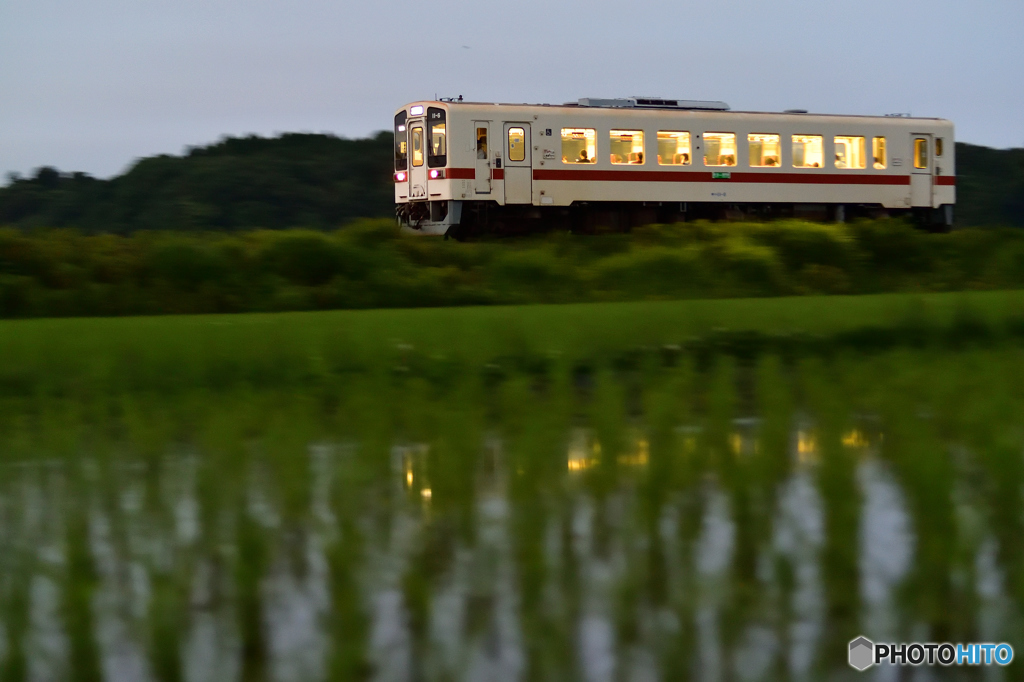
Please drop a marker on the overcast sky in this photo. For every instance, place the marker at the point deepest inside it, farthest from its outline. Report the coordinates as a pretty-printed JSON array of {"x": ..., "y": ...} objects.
[{"x": 92, "y": 85}]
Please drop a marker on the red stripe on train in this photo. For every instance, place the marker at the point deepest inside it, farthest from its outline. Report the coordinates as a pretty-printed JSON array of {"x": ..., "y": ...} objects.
[{"x": 705, "y": 176}]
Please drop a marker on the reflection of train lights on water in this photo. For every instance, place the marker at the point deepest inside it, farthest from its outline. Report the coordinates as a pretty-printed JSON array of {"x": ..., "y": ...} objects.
[
  {"x": 638, "y": 455},
  {"x": 688, "y": 436},
  {"x": 743, "y": 440},
  {"x": 806, "y": 446},
  {"x": 584, "y": 450},
  {"x": 854, "y": 438},
  {"x": 410, "y": 463}
]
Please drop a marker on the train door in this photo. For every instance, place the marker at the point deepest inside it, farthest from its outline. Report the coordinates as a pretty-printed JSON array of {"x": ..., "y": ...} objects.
[
  {"x": 483, "y": 157},
  {"x": 417, "y": 160},
  {"x": 921, "y": 165},
  {"x": 518, "y": 164}
]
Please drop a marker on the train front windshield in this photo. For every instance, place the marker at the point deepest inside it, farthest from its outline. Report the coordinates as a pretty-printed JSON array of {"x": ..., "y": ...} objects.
[{"x": 401, "y": 143}]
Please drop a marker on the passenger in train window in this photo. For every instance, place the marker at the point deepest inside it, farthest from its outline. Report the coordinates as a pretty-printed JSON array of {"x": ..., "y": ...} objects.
[
  {"x": 764, "y": 149},
  {"x": 626, "y": 147},
  {"x": 878, "y": 152},
  {"x": 481, "y": 143},
  {"x": 579, "y": 145},
  {"x": 719, "y": 149},
  {"x": 673, "y": 148},
  {"x": 849, "y": 151}
]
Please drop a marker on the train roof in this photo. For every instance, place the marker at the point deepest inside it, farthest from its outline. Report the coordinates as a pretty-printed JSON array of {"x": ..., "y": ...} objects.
[{"x": 618, "y": 105}]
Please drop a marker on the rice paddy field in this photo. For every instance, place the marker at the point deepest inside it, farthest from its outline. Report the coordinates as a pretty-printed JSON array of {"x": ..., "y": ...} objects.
[{"x": 712, "y": 490}]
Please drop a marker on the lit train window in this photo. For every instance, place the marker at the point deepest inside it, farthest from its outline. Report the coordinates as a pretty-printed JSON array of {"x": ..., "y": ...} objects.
[
  {"x": 401, "y": 142},
  {"x": 417, "y": 146},
  {"x": 719, "y": 149},
  {"x": 516, "y": 144},
  {"x": 481, "y": 143},
  {"x": 437, "y": 142},
  {"x": 437, "y": 149},
  {"x": 765, "y": 149},
  {"x": 627, "y": 147},
  {"x": 878, "y": 152},
  {"x": 938, "y": 146},
  {"x": 808, "y": 151},
  {"x": 673, "y": 148},
  {"x": 920, "y": 152},
  {"x": 579, "y": 145},
  {"x": 849, "y": 152}
]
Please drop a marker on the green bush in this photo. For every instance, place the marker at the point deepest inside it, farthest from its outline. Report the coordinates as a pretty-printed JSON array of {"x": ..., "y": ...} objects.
[
  {"x": 651, "y": 272},
  {"x": 369, "y": 264}
]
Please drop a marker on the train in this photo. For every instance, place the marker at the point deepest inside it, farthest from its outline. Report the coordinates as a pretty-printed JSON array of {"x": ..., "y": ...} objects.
[{"x": 469, "y": 168}]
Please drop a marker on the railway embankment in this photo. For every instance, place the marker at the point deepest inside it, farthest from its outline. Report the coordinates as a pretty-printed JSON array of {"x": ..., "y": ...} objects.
[{"x": 54, "y": 273}]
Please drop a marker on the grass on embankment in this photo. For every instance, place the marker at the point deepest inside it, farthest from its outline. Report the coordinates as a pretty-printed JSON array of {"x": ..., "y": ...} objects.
[
  {"x": 368, "y": 264},
  {"x": 62, "y": 356}
]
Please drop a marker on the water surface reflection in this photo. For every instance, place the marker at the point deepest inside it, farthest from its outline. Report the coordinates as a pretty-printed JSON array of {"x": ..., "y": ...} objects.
[{"x": 687, "y": 567}]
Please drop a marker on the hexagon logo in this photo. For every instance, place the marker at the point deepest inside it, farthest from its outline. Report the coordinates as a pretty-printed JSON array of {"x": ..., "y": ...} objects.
[{"x": 862, "y": 653}]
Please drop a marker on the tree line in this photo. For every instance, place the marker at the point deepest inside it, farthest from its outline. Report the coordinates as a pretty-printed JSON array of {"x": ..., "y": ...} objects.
[
  {"x": 294, "y": 180},
  {"x": 322, "y": 182}
]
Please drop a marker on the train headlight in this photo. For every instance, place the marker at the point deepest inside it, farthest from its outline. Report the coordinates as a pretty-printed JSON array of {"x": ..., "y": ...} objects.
[
  {"x": 437, "y": 174},
  {"x": 400, "y": 177}
]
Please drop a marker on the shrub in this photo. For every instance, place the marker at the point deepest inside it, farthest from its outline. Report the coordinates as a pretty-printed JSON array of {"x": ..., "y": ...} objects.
[
  {"x": 305, "y": 258},
  {"x": 656, "y": 271},
  {"x": 369, "y": 264}
]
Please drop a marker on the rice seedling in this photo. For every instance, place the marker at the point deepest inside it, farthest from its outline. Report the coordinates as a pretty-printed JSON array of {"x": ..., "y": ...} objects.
[{"x": 421, "y": 496}]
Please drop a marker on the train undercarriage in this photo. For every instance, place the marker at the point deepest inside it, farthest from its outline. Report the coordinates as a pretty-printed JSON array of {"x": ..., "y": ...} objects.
[{"x": 472, "y": 219}]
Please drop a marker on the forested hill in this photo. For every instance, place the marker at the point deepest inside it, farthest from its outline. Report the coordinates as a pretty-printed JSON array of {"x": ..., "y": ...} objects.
[
  {"x": 322, "y": 181},
  {"x": 989, "y": 185},
  {"x": 295, "y": 180}
]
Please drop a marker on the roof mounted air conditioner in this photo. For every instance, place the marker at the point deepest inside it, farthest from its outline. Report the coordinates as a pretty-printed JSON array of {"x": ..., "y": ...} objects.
[{"x": 651, "y": 103}]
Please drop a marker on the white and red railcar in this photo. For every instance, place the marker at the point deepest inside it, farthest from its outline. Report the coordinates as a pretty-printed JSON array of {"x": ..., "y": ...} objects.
[{"x": 463, "y": 167}]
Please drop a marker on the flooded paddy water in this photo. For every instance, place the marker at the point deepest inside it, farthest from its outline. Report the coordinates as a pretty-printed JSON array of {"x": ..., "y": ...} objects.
[{"x": 657, "y": 515}]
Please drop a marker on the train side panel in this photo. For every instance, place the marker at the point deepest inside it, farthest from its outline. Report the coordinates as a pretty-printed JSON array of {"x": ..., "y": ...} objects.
[{"x": 537, "y": 156}]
